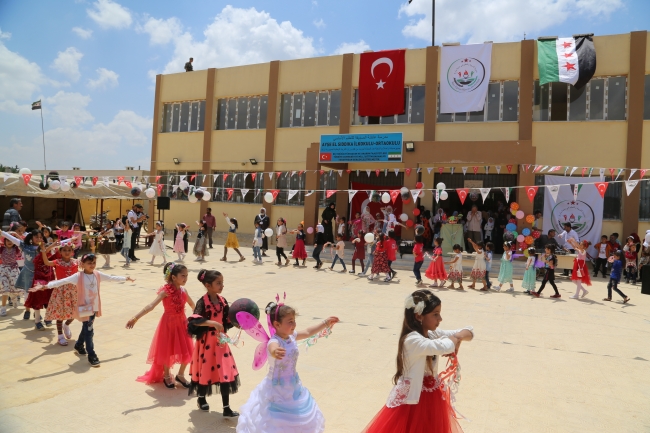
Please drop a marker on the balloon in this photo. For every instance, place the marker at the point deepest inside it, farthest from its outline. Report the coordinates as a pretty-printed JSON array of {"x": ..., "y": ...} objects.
[
  {"x": 514, "y": 233},
  {"x": 404, "y": 190},
  {"x": 192, "y": 198},
  {"x": 403, "y": 217},
  {"x": 441, "y": 186},
  {"x": 520, "y": 238},
  {"x": 530, "y": 219},
  {"x": 53, "y": 175},
  {"x": 526, "y": 253},
  {"x": 536, "y": 234},
  {"x": 405, "y": 196},
  {"x": 525, "y": 232},
  {"x": 268, "y": 232},
  {"x": 44, "y": 185},
  {"x": 65, "y": 186},
  {"x": 409, "y": 223},
  {"x": 419, "y": 185},
  {"x": 243, "y": 304},
  {"x": 385, "y": 198},
  {"x": 419, "y": 230},
  {"x": 519, "y": 214},
  {"x": 444, "y": 195},
  {"x": 198, "y": 194},
  {"x": 512, "y": 221},
  {"x": 310, "y": 230},
  {"x": 511, "y": 227},
  {"x": 513, "y": 211},
  {"x": 508, "y": 236},
  {"x": 135, "y": 192},
  {"x": 406, "y": 201},
  {"x": 523, "y": 246},
  {"x": 24, "y": 171},
  {"x": 369, "y": 237},
  {"x": 150, "y": 192},
  {"x": 183, "y": 184},
  {"x": 268, "y": 197},
  {"x": 529, "y": 240},
  {"x": 514, "y": 205},
  {"x": 421, "y": 194},
  {"x": 206, "y": 195},
  {"x": 646, "y": 241},
  {"x": 416, "y": 211},
  {"x": 55, "y": 185},
  {"x": 73, "y": 184}
]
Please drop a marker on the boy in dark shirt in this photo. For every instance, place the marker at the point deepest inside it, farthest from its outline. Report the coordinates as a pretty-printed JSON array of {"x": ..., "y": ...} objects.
[{"x": 615, "y": 278}]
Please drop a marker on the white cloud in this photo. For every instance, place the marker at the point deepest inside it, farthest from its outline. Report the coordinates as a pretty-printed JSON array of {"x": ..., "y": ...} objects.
[
  {"x": 352, "y": 47},
  {"x": 161, "y": 31},
  {"x": 82, "y": 33},
  {"x": 108, "y": 14},
  {"x": 240, "y": 37},
  {"x": 69, "y": 109},
  {"x": 20, "y": 79},
  {"x": 320, "y": 24},
  {"x": 67, "y": 63},
  {"x": 5, "y": 35},
  {"x": 473, "y": 21},
  {"x": 105, "y": 79}
]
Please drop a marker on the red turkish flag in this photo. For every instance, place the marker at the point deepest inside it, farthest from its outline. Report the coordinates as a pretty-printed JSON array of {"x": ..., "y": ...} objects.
[
  {"x": 278, "y": 173},
  {"x": 509, "y": 167},
  {"x": 78, "y": 180},
  {"x": 642, "y": 173},
  {"x": 583, "y": 171},
  {"x": 253, "y": 175},
  {"x": 611, "y": 172},
  {"x": 301, "y": 172},
  {"x": 408, "y": 171},
  {"x": 394, "y": 194},
  {"x": 275, "y": 193},
  {"x": 27, "y": 178},
  {"x": 381, "y": 83},
  {"x": 462, "y": 194},
  {"x": 120, "y": 179},
  {"x": 475, "y": 169},
  {"x": 377, "y": 172},
  {"x": 192, "y": 177},
  {"x": 601, "y": 187},
  {"x": 531, "y": 191},
  {"x": 326, "y": 156},
  {"x": 322, "y": 172},
  {"x": 95, "y": 179},
  {"x": 127, "y": 183},
  {"x": 159, "y": 188},
  {"x": 330, "y": 192},
  {"x": 225, "y": 176},
  {"x": 158, "y": 178},
  {"x": 441, "y": 169},
  {"x": 230, "y": 191},
  {"x": 348, "y": 171}
]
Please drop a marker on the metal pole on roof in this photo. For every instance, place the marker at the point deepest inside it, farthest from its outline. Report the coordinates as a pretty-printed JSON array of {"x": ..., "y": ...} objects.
[{"x": 433, "y": 21}]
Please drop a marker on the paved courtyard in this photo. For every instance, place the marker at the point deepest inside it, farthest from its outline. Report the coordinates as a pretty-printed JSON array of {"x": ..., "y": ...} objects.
[{"x": 536, "y": 365}]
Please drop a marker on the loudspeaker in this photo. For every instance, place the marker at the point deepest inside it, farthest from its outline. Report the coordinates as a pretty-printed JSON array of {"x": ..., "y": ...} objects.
[
  {"x": 163, "y": 203},
  {"x": 645, "y": 280}
]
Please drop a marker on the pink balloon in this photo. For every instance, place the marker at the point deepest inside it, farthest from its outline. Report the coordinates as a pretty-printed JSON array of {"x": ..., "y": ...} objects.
[
  {"x": 521, "y": 238},
  {"x": 519, "y": 214},
  {"x": 310, "y": 230}
]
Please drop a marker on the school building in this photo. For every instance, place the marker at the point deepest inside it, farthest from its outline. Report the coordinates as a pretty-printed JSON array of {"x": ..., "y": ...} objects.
[{"x": 268, "y": 118}]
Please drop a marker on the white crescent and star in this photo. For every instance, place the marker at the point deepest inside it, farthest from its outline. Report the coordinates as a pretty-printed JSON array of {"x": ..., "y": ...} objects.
[{"x": 381, "y": 60}]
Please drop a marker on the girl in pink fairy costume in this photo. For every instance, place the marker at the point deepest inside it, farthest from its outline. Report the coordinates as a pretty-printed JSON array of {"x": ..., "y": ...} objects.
[
  {"x": 171, "y": 344},
  {"x": 9, "y": 271},
  {"x": 281, "y": 404}
]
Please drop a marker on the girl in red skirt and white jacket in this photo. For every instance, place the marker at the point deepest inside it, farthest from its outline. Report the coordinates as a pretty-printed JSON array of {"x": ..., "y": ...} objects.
[{"x": 420, "y": 401}]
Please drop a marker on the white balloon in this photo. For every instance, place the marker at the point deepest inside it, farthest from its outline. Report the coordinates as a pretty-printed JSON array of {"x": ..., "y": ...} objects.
[
  {"x": 183, "y": 184},
  {"x": 444, "y": 195},
  {"x": 192, "y": 198},
  {"x": 268, "y": 232},
  {"x": 150, "y": 192},
  {"x": 55, "y": 185},
  {"x": 404, "y": 190},
  {"x": 385, "y": 197},
  {"x": 65, "y": 186},
  {"x": 268, "y": 197},
  {"x": 24, "y": 171},
  {"x": 441, "y": 186},
  {"x": 404, "y": 217},
  {"x": 421, "y": 194},
  {"x": 369, "y": 237},
  {"x": 206, "y": 196}
]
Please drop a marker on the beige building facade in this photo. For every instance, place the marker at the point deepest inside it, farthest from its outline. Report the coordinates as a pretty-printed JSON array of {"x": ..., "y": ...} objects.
[{"x": 268, "y": 118}]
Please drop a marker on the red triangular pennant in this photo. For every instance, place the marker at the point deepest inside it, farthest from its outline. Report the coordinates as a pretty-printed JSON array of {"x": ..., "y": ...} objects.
[
  {"x": 192, "y": 178},
  {"x": 509, "y": 167},
  {"x": 158, "y": 178},
  {"x": 275, "y": 193},
  {"x": 27, "y": 178},
  {"x": 78, "y": 180},
  {"x": 322, "y": 172},
  {"x": 462, "y": 194},
  {"x": 330, "y": 192},
  {"x": 642, "y": 173},
  {"x": 225, "y": 176},
  {"x": 95, "y": 179},
  {"x": 120, "y": 179},
  {"x": 253, "y": 176},
  {"x": 394, "y": 194},
  {"x": 348, "y": 171},
  {"x": 583, "y": 171},
  {"x": 159, "y": 188},
  {"x": 475, "y": 169},
  {"x": 601, "y": 187},
  {"x": 278, "y": 174},
  {"x": 611, "y": 172},
  {"x": 408, "y": 171},
  {"x": 128, "y": 184},
  {"x": 301, "y": 172},
  {"x": 230, "y": 191},
  {"x": 441, "y": 169},
  {"x": 531, "y": 191}
]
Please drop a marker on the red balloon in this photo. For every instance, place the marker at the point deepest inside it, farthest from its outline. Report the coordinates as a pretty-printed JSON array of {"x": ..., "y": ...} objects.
[
  {"x": 416, "y": 211},
  {"x": 409, "y": 223},
  {"x": 407, "y": 201},
  {"x": 419, "y": 185},
  {"x": 512, "y": 220}
]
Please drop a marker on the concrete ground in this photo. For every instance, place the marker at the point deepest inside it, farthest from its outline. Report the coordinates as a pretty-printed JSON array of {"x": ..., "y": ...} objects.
[{"x": 536, "y": 365}]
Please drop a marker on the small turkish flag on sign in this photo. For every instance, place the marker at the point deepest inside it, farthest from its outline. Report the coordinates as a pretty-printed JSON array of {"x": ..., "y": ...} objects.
[
  {"x": 127, "y": 183},
  {"x": 326, "y": 156},
  {"x": 27, "y": 178},
  {"x": 408, "y": 171},
  {"x": 462, "y": 194},
  {"x": 159, "y": 188},
  {"x": 601, "y": 187},
  {"x": 394, "y": 194},
  {"x": 230, "y": 191},
  {"x": 509, "y": 167},
  {"x": 275, "y": 193},
  {"x": 531, "y": 191},
  {"x": 475, "y": 169},
  {"x": 78, "y": 180},
  {"x": 381, "y": 83},
  {"x": 95, "y": 179}
]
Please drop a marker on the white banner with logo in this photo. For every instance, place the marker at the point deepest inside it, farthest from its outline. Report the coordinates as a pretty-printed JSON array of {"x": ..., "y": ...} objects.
[
  {"x": 585, "y": 214},
  {"x": 464, "y": 77}
]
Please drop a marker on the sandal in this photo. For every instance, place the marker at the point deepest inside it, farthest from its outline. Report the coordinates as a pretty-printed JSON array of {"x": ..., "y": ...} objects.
[
  {"x": 607, "y": 299},
  {"x": 626, "y": 300}
]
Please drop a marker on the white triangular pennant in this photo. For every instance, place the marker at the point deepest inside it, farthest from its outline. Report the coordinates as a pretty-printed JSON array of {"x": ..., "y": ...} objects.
[
  {"x": 257, "y": 192},
  {"x": 620, "y": 170},
  {"x": 146, "y": 179},
  {"x": 340, "y": 173},
  {"x": 429, "y": 169},
  {"x": 6, "y": 176},
  {"x": 270, "y": 175},
  {"x": 545, "y": 167},
  {"x": 437, "y": 196},
  {"x": 183, "y": 177},
  {"x": 292, "y": 192},
  {"x": 565, "y": 170},
  {"x": 63, "y": 178},
  {"x": 602, "y": 174},
  {"x": 351, "y": 193},
  {"x": 506, "y": 192},
  {"x": 632, "y": 171},
  {"x": 487, "y": 169},
  {"x": 418, "y": 170},
  {"x": 451, "y": 170},
  {"x": 484, "y": 193},
  {"x": 244, "y": 192},
  {"x": 368, "y": 172},
  {"x": 498, "y": 168},
  {"x": 310, "y": 192},
  {"x": 245, "y": 176},
  {"x": 553, "y": 190},
  {"x": 293, "y": 172},
  {"x": 174, "y": 188},
  {"x": 415, "y": 193},
  {"x": 464, "y": 170},
  {"x": 630, "y": 185},
  {"x": 396, "y": 171},
  {"x": 572, "y": 170}
]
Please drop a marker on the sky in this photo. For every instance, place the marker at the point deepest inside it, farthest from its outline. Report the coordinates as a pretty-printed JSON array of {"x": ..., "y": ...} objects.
[{"x": 93, "y": 63}]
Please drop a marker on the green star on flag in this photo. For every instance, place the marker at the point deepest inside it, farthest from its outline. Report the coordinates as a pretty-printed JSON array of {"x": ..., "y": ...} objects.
[{"x": 36, "y": 105}]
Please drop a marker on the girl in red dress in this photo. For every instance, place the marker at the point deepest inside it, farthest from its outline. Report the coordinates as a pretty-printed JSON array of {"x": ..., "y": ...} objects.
[
  {"x": 299, "y": 251},
  {"x": 380, "y": 262},
  {"x": 63, "y": 301},
  {"x": 212, "y": 362},
  {"x": 171, "y": 344},
  {"x": 436, "y": 270},
  {"x": 43, "y": 274},
  {"x": 580, "y": 273},
  {"x": 420, "y": 401}
]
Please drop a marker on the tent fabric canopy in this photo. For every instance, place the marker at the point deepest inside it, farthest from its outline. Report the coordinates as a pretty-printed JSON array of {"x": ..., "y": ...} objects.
[{"x": 15, "y": 186}]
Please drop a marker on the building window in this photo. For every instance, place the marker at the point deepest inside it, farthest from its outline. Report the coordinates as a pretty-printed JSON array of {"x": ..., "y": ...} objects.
[
  {"x": 600, "y": 99},
  {"x": 646, "y": 98},
  {"x": 288, "y": 181},
  {"x": 644, "y": 204},
  {"x": 183, "y": 116},
  {"x": 501, "y": 105},
  {"x": 328, "y": 180},
  {"x": 413, "y": 109},
  {"x": 310, "y": 109},
  {"x": 247, "y": 112},
  {"x": 237, "y": 180},
  {"x": 172, "y": 178}
]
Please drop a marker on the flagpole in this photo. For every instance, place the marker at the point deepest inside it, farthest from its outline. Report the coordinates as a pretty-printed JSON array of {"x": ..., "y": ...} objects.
[
  {"x": 433, "y": 23},
  {"x": 43, "y": 131}
]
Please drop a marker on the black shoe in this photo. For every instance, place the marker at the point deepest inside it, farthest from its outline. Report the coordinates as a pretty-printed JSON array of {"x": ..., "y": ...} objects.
[
  {"x": 26, "y": 315},
  {"x": 229, "y": 412},
  {"x": 48, "y": 323},
  {"x": 183, "y": 384},
  {"x": 169, "y": 385},
  {"x": 393, "y": 275},
  {"x": 264, "y": 255},
  {"x": 202, "y": 404},
  {"x": 94, "y": 361},
  {"x": 80, "y": 350}
]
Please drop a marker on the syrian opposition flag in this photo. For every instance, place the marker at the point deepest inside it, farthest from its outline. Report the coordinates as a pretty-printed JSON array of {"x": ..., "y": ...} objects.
[
  {"x": 36, "y": 105},
  {"x": 566, "y": 60},
  {"x": 381, "y": 83}
]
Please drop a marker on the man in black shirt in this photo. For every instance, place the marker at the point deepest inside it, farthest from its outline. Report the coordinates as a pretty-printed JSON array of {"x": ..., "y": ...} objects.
[{"x": 188, "y": 65}]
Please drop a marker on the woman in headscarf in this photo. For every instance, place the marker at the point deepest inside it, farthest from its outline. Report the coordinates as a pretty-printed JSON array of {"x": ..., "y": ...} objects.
[
  {"x": 318, "y": 245},
  {"x": 263, "y": 220},
  {"x": 328, "y": 215},
  {"x": 367, "y": 220}
]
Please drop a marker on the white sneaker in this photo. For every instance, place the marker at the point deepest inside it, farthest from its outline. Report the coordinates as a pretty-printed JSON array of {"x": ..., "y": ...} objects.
[
  {"x": 66, "y": 331},
  {"x": 3, "y": 311},
  {"x": 62, "y": 340},
  {"x": 573, "y": 297},
  {"x": 586, "y": 292},
  {"x": 511, "y": 289},
  {"x": 497, "y": 288}
]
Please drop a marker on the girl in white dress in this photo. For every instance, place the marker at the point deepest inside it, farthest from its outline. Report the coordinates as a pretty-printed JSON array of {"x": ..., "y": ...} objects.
[
  {"x": 455, "y": 274},
  {"x": 158, "y": 245},
  {"x": 478, "y": 270}
]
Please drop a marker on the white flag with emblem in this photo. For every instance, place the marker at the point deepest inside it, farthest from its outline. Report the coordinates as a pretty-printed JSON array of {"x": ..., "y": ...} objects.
[
  {"x": 451, "y": 170},
  {"x": 498, "y": 168},
  {"x": 464, "y": 170},
  {"x": 429, "y": 169},
  {"x": 271, "y": 175},
  {"x": 292, "y": 192},
  {"x": 244, "y": 192},
  {"x": 572, "y": 170},
  {"x": 105, "y": 180},
  {"x": 602, "y": 174},
  {"x": 183, "y": 177},
  {"x": 368, "y": 172},
  {"x": 245, "y": 176},
  {"x": 465, "y": 71},
  {"x": 415, "y": 193},
  {"x": 553, "y": 190},
  {"x": 340, "y": 173},
  {"x": 484, "y": 193},
  {"x": 214, "y": 178},
  {"x": 174, "y": 188},
  {"x": 630, "y": 185},
  {"x": 351, "y": 193},
  {"x": 506, "y": 192},
  {"x": 632, "y": 171}
]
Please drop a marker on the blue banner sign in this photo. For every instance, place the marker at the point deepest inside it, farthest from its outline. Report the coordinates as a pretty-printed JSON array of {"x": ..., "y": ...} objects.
[{"x": 386, "y": 147}]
